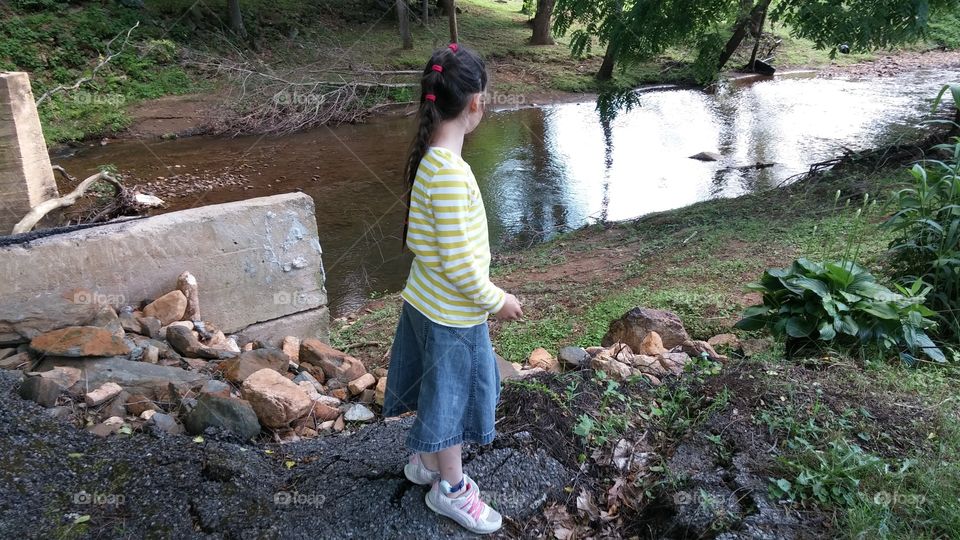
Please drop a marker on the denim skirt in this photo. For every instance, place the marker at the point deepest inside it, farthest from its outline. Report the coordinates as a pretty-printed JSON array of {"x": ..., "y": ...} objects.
[{"x": 449, "y": 376}]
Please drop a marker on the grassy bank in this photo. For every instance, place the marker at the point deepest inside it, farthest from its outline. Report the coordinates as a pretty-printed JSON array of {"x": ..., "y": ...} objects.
[
  {"x": 60, "y": 42},
  {"x": 854, "y": 445}
]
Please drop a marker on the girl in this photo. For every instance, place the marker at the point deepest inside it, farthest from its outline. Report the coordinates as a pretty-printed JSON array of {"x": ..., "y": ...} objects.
[{"x": 442, "y": 364}]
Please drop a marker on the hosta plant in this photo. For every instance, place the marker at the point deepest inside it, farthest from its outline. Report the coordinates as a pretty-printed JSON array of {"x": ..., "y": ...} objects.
[{"x": 842, "y": 303}]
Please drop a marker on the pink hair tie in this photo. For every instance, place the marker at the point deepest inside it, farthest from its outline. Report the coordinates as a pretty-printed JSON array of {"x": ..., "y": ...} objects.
[
  {"x": 430, "y": 97},
  {"x": 454, "y": 47},
  {"x": 438, "y": 68}
]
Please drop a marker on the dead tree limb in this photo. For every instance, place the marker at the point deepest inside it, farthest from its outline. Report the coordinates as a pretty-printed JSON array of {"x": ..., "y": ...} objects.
[{"x": 104, "y": 61}]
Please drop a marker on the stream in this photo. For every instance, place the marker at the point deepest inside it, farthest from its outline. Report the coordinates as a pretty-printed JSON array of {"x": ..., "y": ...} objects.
[{"x": 542, "y": 170}]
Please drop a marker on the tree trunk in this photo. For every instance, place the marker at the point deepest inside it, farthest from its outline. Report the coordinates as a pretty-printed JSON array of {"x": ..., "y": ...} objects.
[
  {"x": 451, "y": 7},
  {"x": 403, "y": 16},
  {"x": 606, "y": 68},
  {"x": 425, "y": 12},
  {"x": 756, "y": 44},
  {"x": 236, "y": 18},
  {"x": 740, "y": 32},
  {"x": 541, "y": 23}
]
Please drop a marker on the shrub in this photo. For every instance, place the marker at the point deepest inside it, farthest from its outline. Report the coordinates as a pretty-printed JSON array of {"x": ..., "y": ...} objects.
[
  {"x": 841, "y": 302},
  {"x": 928, "y": 244}
]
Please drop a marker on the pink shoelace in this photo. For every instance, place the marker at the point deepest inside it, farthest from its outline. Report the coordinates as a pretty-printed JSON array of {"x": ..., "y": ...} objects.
[{"x": 472, "y": 503}]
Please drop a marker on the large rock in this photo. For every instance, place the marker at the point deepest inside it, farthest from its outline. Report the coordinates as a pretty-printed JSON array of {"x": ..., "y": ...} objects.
[
  {"x": 258, "y": 262},
  {"x": 541, "y": 358},
  {"x": 335, "y": 364},
  {"x": 184, "y": 342},
  {"x": 573, "y": 357},
  {"x": 79, "y": 341},
  {"x": 150, "y": 380},
  {"x": 235, "y": 415},
  {"x": 168, "y": 308},
  {"x": 634, "y": 326},
  {"x": 236, "y": 370},
  {"x": 45, "y": 387},
  {"x": 276, "y": 399}
]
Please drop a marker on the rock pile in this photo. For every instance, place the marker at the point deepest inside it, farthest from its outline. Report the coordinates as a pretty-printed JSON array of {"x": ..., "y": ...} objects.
[
  {"x": 644, "y": 342},
  {"x": 163, "y": 368}
]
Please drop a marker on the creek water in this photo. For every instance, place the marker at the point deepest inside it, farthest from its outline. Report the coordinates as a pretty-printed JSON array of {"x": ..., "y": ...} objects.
[{"x": 542, "y": 169}]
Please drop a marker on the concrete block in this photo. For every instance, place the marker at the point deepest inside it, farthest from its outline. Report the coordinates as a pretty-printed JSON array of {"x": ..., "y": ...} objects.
[
  {"x": 26, "y": 178},
  {"x": 256, "y": 261}
]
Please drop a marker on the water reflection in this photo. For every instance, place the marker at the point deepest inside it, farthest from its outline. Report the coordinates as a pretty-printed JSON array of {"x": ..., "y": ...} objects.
[{"x": 547, "y": 169}]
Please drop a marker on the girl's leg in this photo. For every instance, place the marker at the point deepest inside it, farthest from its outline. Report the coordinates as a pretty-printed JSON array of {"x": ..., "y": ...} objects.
[{"x": 449, "y": 462}]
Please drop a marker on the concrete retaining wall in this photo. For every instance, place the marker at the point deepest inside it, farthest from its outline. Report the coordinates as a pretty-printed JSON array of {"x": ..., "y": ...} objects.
[{"x": 258, "y": 263}]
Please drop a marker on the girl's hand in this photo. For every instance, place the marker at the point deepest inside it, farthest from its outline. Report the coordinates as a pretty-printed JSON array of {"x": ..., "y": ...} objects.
[{"x": 511, "y": 310}]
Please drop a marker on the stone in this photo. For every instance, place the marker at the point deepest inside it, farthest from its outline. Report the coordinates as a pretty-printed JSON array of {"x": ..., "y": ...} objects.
[
  {"x": 150, "y": 327},
  {"x": 166, "y": 423},
  {"x": 531, "y": 371},
  {"x": 187, "y": 284},
  {"x": 324, "y": 412},
  {"x": 107, "y": 427},
  {"x": 148, "y": 414},
  {"x": 196, "y": 364},
  {"x": 291, "y": 346},
  {"x": 107, "y": 318},
  {"x": 326, "y": 426},
  {"x": 368, "y": 396},
  {"x": 382, "y": 372},
  {"x": 639, "y": 321},
  {"x": 361, "y": 383},
  {"x": 309, "y": 390},
  {"x": 652, "y": 345},
  {"x": 151, "y": 354},
  {"x": 247, "y": 347},
  {"x": 184, "y": 342},
  {"x": 707, "y": 156},
  {"x": 168, "y": 308},
  {"x": 136, "y": 377},
  {"x": 216, "y": 388},
  {"x": 41, "y": 390},
  {"x": 541, "y": 358},
  {"x": 381, "y": 392},
  {"x": 101, "y": 394},
  {"x": 698, "y": 348},
  {"x": 648, "y": 364},
  {"x": 79, "y": 341},
  {"x": 136, "y": 404},
  {"x": 729, "y": 341},
  {"x": 305, "y": 376},
  {"x": 673, "y": 362},
  {"x": 21, "y": 361},
  {"x": 234, "y": 415},
  {"x": 335, "y": 364},
  {"x": 338, "y": 424},
  {"x": 184, "y": 324},
  {"x": 507, "y": 369},
  {"x": 117, "y": 406},
  {"x": 236, "y": 370},
  {"x": 573, "y": 357},
  {"x": 358, "y": 413},
  {"x": 7, "y": 353},
  {"x": 129, "y": 322},
  {"x": 339, "y": 393},
  {"x": 615, "y": 369},
  {"x": 276, "y": 400}
]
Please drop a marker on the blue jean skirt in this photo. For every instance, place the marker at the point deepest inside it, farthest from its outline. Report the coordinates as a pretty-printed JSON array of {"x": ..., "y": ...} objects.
[{"x": 449, "y": 376}]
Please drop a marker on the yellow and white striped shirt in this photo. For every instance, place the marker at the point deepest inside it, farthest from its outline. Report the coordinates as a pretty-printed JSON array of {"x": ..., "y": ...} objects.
[{"x": 450, "y": 277}]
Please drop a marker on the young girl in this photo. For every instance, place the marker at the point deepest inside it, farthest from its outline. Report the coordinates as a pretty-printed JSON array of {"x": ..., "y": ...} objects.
[{"x": 442, "y": 364}]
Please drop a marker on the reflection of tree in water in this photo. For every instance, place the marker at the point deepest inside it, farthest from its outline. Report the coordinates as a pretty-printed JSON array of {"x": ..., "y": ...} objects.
[{"x": 610, "y": 104}]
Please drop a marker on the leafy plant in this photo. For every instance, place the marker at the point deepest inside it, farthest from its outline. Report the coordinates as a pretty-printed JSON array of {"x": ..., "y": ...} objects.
[
  {"x": 830, "y": 476},
  {"x": 928, "y": 222},
  {"x": 842, "y": 302}
]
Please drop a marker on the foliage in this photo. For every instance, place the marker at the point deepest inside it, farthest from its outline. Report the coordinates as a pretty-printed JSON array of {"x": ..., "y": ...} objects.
[
  {"x": 928, "y": 244},
  {"x": 842, "y": 302},
  {"x": 945, "y": 29},
  {"x": 830, "y": 476}
]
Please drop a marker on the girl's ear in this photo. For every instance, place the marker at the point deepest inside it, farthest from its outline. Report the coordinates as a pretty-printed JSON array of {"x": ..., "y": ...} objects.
[{"x": 476, "y": 101}]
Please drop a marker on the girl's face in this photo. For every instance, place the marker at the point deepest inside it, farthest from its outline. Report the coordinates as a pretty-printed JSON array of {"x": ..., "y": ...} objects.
[{"x": 474, "y": 111}]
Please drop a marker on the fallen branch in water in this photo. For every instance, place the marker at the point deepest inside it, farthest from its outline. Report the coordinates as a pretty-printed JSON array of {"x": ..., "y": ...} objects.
[{"x": 125, "y": 201}]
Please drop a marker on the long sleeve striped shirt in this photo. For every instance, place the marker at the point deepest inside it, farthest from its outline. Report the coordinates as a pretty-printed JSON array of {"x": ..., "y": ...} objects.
[{"x": 450, "y": 277}]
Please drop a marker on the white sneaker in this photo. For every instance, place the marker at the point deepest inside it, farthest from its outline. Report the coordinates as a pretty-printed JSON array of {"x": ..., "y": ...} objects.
[
  {"x": 418, "y": 473},
  {"x": 468, "y": 509}
]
